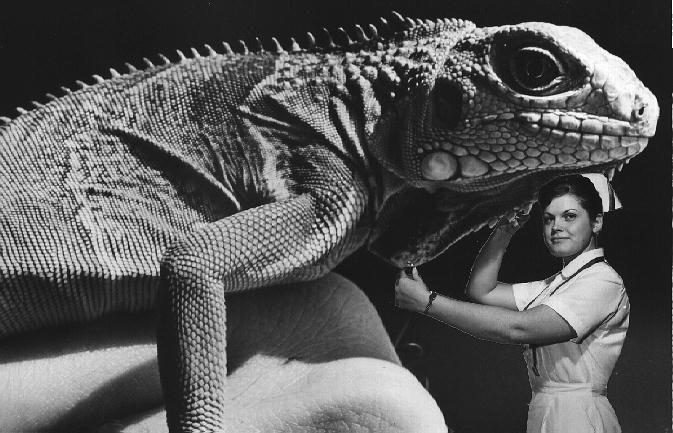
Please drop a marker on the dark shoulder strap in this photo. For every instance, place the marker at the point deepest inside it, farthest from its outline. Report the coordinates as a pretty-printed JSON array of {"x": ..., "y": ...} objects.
[{"x": 587, "y": 265}]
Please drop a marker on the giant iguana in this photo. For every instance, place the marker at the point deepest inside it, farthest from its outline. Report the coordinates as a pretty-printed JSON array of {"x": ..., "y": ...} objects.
[{"x": 183, "y": 183}]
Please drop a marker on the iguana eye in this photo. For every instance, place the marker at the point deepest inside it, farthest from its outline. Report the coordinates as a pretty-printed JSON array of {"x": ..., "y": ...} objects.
[{"x": 535, "y": 70}]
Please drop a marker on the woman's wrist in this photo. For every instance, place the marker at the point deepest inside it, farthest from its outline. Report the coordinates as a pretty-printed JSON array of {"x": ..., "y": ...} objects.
[
  {"x": 431, "y": 298},
  {"x": 421, "y": 301},
  {"x": 502, "y": 235}
]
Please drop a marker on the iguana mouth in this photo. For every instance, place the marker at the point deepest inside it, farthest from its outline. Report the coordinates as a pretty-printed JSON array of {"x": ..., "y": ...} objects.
[
  {"x": 423, "y": 223},
  {"x": 556, "y": 141}
]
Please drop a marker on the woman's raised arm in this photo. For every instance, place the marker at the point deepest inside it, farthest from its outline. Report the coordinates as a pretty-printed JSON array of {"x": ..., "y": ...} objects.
[{"x": 483, "y": 286}]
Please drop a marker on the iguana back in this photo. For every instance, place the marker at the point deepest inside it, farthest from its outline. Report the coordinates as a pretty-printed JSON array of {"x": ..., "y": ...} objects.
[{"x": 99, "y": 182}]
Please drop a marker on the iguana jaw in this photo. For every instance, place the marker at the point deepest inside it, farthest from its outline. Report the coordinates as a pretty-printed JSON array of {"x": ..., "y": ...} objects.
[
  {"x": 440, "y": 168},
  {"x": 491, "y": 146},
  {"x": 416, "y": 225}
]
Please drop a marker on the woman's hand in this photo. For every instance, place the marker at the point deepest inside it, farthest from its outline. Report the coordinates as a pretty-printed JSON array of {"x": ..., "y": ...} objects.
[
  {"x": 411, "y": 293},
  {"x": 508, "y": 228}
]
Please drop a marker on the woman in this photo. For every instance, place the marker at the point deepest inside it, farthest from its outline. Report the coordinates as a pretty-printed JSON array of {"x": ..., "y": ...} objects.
[{"x": 572, "y": 324}]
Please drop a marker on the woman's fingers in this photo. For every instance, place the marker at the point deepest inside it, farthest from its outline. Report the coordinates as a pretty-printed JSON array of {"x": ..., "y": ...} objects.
[
  {"x": 522, "y": 218},
  {"x": 512, "y": 224},
  {"x": 403, "y": 289},
  {"x": 418, "y": 278}
]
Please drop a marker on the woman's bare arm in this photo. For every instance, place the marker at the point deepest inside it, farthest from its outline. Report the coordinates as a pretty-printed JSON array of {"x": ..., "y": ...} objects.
[
  {"x": 483, "y": 285},
  {"x": 538, "y": 325}
]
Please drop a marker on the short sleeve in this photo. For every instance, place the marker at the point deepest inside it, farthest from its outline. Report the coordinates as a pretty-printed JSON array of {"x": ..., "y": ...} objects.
[
  {"x": 588, "y": 300},
  {"x": 526, "y": 292}
]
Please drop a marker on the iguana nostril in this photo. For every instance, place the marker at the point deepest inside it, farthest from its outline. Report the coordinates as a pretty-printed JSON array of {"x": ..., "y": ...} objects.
[{"x": 639, "y": 112}]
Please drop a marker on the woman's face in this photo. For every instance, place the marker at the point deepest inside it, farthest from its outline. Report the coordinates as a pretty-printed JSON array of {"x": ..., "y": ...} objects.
[{"x": 567, "y": 227}]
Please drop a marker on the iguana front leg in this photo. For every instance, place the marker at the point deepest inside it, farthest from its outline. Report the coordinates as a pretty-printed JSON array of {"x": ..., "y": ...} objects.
[{"x": 296, "y": 239}]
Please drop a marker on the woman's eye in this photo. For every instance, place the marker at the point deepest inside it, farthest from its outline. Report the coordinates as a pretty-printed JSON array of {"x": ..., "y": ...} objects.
[{"x": 569, "y": 216}]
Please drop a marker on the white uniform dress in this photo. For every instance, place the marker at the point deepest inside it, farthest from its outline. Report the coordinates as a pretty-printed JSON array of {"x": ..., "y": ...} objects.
[{"x": 569, "y": 380}]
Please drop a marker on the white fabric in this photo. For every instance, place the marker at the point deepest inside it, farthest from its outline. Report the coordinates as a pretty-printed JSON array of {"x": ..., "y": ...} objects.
[
  {"x": 569, "y": 395},
  {"x": 605, "y": 191}
]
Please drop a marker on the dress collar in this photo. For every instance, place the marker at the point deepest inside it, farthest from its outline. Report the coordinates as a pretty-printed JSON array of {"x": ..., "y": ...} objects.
[{"x": 579, "y": 261}]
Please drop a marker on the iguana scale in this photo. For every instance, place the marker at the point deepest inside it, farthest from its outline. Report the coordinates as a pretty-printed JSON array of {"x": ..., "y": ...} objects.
[{"x": 182, "y": 183}]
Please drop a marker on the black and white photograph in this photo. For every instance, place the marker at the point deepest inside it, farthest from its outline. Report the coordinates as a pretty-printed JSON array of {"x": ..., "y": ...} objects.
[{"x": 373, "y": 216}]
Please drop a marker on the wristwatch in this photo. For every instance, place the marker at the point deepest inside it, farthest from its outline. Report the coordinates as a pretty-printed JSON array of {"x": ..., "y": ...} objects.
[{"x": 431, "y": 298}]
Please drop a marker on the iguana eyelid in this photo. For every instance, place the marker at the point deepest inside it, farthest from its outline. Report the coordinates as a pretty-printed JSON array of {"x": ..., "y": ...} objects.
[
  {"x": 504, "y": 46},
  {"x": 553, "y": 65},
  {"x": 554, "y": 88}
]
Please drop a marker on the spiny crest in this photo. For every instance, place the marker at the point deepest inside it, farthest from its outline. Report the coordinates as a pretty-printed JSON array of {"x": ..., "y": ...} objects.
[{"x": 397, "y": 28}]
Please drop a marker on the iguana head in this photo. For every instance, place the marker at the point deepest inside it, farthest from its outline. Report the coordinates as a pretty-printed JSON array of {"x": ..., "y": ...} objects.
[{"x": 483, "y": 117}]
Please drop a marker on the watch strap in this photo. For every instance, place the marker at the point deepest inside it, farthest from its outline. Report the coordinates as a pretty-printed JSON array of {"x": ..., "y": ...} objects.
[{"x": 431, "y": 298}]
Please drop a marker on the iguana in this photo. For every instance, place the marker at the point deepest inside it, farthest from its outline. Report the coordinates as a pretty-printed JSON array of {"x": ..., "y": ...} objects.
[{"x": 178, "y": 185}]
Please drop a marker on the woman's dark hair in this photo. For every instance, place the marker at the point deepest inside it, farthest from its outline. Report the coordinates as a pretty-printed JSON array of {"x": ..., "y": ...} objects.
[{"x": 577, "y": 185}]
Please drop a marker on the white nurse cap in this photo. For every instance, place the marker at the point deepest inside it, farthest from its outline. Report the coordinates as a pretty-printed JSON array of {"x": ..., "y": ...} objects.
[{"x": 605, "y": 191}]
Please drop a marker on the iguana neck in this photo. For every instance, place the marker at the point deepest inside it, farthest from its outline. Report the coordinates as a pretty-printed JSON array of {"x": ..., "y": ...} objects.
[
  {"x": 394, "y": 81},
  {"x": 386, "y": 82}
]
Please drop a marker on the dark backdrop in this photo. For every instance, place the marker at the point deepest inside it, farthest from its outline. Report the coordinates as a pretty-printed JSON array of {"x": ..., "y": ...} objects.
[{"x": 480, "y": 386}]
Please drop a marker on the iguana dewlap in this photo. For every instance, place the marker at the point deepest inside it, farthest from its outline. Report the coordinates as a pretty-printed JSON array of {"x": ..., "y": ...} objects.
[{"x": 187, "y": 181}]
